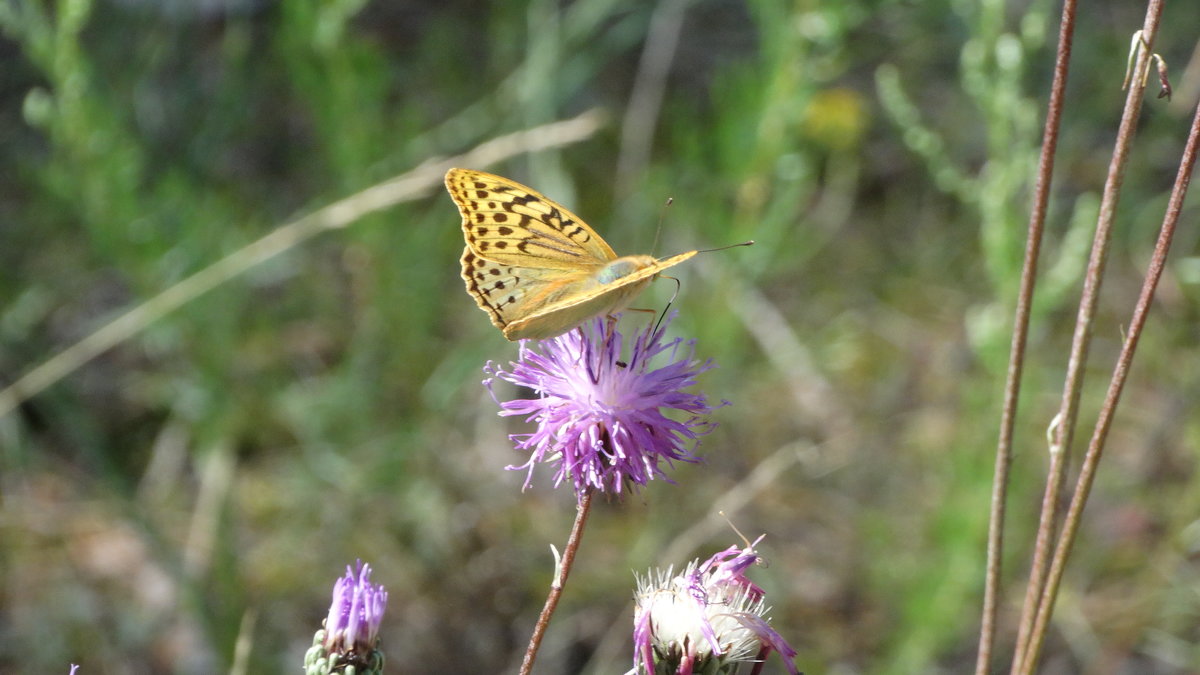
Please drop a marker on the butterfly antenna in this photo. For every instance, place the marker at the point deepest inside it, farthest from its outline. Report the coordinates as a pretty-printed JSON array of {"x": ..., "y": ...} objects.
[
  {"x": 661, "y": 217},
  {"x": 749, "y": 242}
]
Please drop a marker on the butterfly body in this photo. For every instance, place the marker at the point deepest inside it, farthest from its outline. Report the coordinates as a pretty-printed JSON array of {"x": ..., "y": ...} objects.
[{"x": 535, "y": 267}]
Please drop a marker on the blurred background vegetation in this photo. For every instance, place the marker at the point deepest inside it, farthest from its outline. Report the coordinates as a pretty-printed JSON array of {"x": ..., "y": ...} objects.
[{"x": 210, "y": 477}]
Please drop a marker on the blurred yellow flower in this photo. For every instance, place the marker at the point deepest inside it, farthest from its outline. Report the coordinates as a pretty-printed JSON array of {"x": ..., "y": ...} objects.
[{"x": 836, "y": 119}]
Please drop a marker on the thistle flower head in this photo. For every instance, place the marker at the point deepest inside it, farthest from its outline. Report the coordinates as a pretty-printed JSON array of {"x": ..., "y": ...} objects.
[
  {"x": 351, "y": 634},
  {"x": 709, "y": 619},
  {"x": 601, "y": 413}
]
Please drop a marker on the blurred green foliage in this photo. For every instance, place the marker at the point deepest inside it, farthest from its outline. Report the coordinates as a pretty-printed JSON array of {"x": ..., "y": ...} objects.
[{"x": 208, "y": 479}]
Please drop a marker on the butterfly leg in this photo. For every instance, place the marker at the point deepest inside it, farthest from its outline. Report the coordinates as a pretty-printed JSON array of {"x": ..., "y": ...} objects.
[
  {"x": 593, "y": 375},
  {"x": 647, "y": 311},
  {"x": 643, "y": 310},
  {"x": 610, "y": 326}
]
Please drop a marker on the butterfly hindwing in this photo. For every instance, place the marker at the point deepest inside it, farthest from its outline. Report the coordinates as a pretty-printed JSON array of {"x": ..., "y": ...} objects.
[{"x": 508, "y": 292}]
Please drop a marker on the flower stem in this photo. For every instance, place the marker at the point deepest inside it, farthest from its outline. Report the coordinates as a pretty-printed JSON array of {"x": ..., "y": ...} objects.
[
  {"x": 560, "y": 580},
  {"x": 1016, "y": 363},
  {"x": 1087, "y": 472},
  {"x": 1041, "y": 590}
]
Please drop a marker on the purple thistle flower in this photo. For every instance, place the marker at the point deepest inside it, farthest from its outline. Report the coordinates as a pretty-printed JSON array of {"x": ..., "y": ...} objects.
[
  {"x": 356, "y": 612},
  {"x": 601, "y": 414},
  {"x": 351, "y": 632},
  {"x": 709, "y": 619}
]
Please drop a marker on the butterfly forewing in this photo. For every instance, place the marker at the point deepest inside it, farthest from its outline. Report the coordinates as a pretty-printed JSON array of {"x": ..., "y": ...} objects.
[{"x": 510, "y": 223}]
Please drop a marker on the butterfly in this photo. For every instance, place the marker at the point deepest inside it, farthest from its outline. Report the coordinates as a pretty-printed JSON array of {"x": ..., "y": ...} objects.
[{"x": 535, "y": 267}]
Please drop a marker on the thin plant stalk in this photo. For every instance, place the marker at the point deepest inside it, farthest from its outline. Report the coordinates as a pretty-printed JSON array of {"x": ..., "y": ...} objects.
[
  {"x": 1016, "y": 363},
  {"x": 402, "y": 188},
  {"x": 560, "y": 580},
  {"x": 1064, "y": 425},
  {"x": 1087, "y": 472}
]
